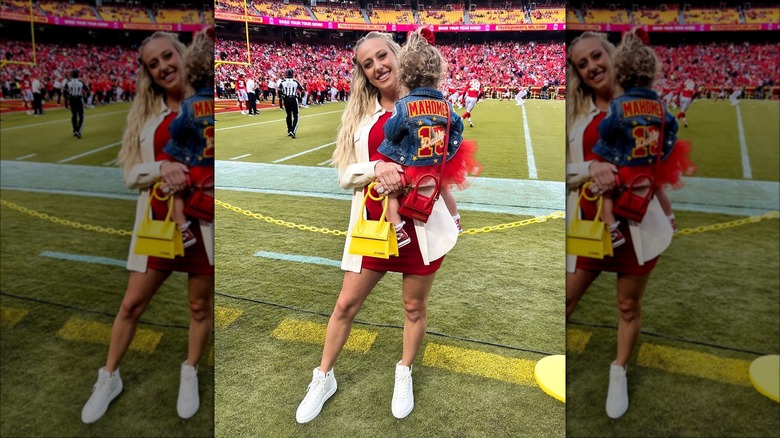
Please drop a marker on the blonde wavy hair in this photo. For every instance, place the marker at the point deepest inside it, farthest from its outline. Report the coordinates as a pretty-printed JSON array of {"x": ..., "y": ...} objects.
[
  {"x": 578, "y": 93},
  {"x": 635, "y": 63},
  {"x": 361, "y": 104},
  {"x": 145, "y": 104},
  {"x": 420, "y": 64}
]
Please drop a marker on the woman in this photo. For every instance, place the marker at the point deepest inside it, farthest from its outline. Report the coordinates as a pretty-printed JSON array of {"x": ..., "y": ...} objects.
[
  {"x": 161, "y": 89},
  {"x": 590, "y": 77},
  {"x": 374, "y": 93}
]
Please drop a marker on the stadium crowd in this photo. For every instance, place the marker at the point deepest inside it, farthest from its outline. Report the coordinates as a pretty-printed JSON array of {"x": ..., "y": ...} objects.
[
  {"x": 723, "y": 64},
  {"x": 496, "y": 65},
  {"x": 108, "y": 70}
]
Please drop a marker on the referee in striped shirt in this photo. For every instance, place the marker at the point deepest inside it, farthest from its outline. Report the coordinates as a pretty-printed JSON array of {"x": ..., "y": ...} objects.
[
  {"x": 75, "y": 91},
  {"x": 289, "y": 88}
]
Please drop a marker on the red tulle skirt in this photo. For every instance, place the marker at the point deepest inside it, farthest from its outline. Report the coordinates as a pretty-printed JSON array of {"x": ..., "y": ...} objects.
[
  {"x": 463, "y": 164},
  {"x": 672, "y": 168}
]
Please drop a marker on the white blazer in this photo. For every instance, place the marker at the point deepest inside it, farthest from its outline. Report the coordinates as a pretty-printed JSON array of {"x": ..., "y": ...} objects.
[
  {"x": 436, "y": 237},
  {"x": 142, "y": 176},
  {"x": 650, "y": 237}
]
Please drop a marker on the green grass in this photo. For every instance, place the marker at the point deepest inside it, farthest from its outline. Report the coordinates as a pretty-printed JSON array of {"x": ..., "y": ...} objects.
[
  {"x": 502, "y": 287},
  {"x": 719, "y": 287},
  {"x": 476, "y": 295},
  {"x": 712, "y": 128},
  {"x": 51, "y": 135},
  {"x": 498, "y": 131},
  {"x": 46, "y": 379}
]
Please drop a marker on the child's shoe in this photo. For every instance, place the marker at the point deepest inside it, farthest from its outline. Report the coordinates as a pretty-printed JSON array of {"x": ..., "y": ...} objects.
[
  {"x": 187, "y": 236},
  {"x": 617, "y": 237},
  {"x": 671, "y": 222},
  {"x": 401, "y": 236}
]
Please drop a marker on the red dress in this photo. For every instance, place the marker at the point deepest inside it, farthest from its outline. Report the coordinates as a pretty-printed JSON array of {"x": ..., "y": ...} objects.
[
  {"x": 409, "y": 260},
  {"x": 195, "y": 259},
  {"x": 623, "y": 260}
]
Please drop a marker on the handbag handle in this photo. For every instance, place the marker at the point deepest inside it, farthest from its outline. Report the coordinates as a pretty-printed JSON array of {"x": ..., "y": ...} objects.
[
  {"x": 156, "y": 196},
  {"x": 383, "y": 198},
  {"x": 583, "y": 194}
]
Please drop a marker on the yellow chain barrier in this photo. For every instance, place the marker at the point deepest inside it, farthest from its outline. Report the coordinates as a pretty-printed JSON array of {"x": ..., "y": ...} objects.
[
  {"x": 487, "y": 229},
  {"x": 56, "y": 220},
  {"x": 279, "y": 221},
  {"x": 732, "y": 224},
  {"x": 556, "y": 215}
]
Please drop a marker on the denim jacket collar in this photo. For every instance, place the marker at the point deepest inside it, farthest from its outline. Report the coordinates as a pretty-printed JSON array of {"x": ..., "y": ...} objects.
[
  {"x": 426, "y": 92},
  {"x": 641, "y": 92}
]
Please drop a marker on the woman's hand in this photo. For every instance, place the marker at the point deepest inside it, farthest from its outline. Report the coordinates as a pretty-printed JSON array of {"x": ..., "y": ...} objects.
[
  {"x": 174, "y": 175},
  {"x": 388, "y": 177},
  {"x": 602, "y": 175}
]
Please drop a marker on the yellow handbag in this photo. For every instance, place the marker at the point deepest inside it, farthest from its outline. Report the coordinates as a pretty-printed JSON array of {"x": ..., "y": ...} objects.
[
  {"x": 159, "y": 238},
  {"x": 588, "y": 238},
  {"x": 373, "y": 238}
]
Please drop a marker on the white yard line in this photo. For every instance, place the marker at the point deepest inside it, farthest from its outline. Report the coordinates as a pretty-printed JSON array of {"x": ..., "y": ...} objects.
[
  {"x": 277, "y": 120},
  {"x": 76, "y": 157},
  {"x": 528, "y": 149},
  {"x": 32, "y": 125},
  {"x": 240, "y": 156},
  {"x": 24, "y": 157},
  {"x": 111, "y": 162},
  {"x": 747, "y": 173},
  {"x": 303, "y": 153},
  {"x": 326, "y": 162}
]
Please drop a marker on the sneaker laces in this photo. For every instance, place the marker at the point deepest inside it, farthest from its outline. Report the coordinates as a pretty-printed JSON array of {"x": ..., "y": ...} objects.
[
  {"x": 187, "y": 383},
  {"x": 315, "y": 389},
  {"x": 402, "y": 386}
]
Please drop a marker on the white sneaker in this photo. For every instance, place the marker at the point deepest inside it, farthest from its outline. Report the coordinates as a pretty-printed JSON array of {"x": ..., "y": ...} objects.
[
  {"x": 321, "y": 388},
  {"x": 617, "y": 395},
  {"x": 189, "y": 401},
  {"x": 403, "y": 397},
  {"x": 108, "y": 386}
]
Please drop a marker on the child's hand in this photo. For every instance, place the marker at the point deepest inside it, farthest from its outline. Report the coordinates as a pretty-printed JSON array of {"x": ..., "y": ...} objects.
[
  {"x": 388, "y": 175},
  {"x": 174, "y": 175},
  {"x": 603, "y": 176}
]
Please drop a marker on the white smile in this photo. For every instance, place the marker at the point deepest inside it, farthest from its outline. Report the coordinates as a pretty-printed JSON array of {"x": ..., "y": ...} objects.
[
  {"x": 598, "y": 76},
  {"x": 170, "y": 76},
  {"x": 383, "y": 77}
]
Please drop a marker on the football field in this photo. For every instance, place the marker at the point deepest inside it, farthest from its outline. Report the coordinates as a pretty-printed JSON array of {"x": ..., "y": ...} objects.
[
  {"x": 494, "y": 311},
  {"x": 66, "y": 217},
  {"x": 712, "y": 304}
]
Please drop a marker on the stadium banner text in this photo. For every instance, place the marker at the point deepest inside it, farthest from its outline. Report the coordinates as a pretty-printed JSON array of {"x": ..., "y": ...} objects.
[
  {"x": 333, "y": 25},
  {"x": 170, "y": 27},
  {"x": 674, "y": 27}
]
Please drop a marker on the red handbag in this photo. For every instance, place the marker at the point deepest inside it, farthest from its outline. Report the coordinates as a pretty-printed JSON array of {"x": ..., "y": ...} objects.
[
  {"x": 417, "y": 205},
  {"x": 200, "y": 204},
  {"x": 631, "y": 205}
]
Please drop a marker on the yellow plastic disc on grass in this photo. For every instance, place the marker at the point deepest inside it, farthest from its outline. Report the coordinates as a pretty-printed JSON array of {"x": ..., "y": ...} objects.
[
  {"x": 765, "y": 376},
  {"x": 550, "y": 374}
]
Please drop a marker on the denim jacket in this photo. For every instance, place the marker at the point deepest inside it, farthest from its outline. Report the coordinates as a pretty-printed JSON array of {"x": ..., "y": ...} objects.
[
  {"x": 628, "y": 134},
  {"x": 414, "y": 135},
  {"x": 192, "y": 131}
]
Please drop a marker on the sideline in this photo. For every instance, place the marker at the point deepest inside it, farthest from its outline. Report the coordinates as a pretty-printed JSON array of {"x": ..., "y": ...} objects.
[
  {"x": 76, "y": 157},
  {"x": 303, "y": 153},
  {"x": 747, "y": 173},
  {"x": 276, "y": 120},
  {"x": 529, "y": 150}
]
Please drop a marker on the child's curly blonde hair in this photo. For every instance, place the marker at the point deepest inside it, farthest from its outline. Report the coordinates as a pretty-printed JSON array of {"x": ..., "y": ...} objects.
[
  {"x": 199, "y": 62},
  {"x": 635, "y": 62},
  {"x": 420, "y": 64}
]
